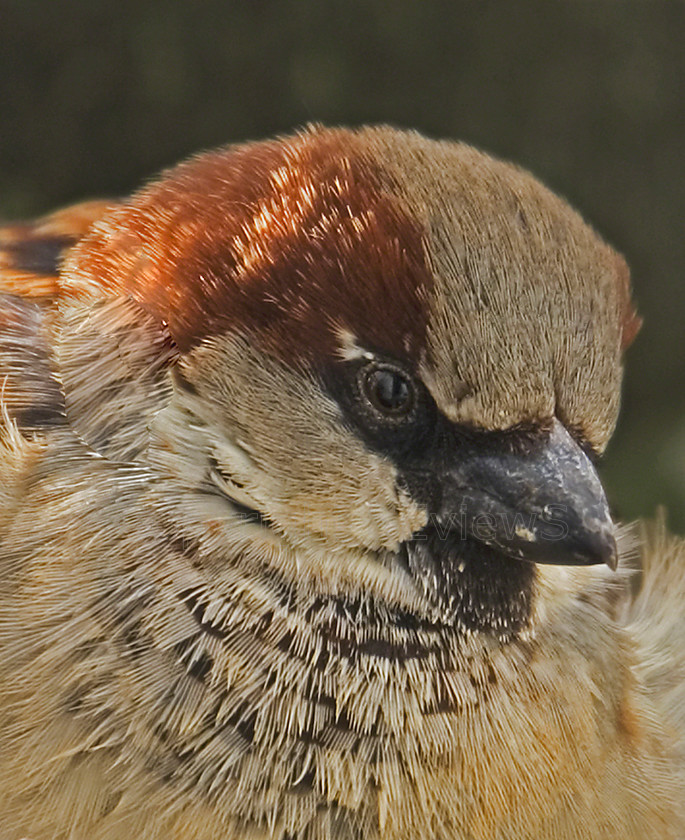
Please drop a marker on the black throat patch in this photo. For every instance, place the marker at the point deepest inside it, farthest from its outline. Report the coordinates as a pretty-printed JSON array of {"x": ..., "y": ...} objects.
[{"x": 469, "y": 585}]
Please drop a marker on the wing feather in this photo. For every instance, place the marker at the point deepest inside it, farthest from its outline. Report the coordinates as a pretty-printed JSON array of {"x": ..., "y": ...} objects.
[
  {"x": 96, "y": 366},
  {"x": 31, "y": 252}
]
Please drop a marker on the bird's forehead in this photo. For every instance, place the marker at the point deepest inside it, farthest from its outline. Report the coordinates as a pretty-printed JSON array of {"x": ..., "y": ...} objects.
[
  {"x": 529, "y": 309},
  {"x": 430, "y": 252}
]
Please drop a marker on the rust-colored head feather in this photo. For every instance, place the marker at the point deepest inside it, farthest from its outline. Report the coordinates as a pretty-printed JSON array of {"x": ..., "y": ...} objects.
[{"x": 285, "y": 241}]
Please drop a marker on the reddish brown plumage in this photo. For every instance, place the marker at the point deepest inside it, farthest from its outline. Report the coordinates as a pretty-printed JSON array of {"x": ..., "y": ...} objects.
[{"x": 285, "y": 241}]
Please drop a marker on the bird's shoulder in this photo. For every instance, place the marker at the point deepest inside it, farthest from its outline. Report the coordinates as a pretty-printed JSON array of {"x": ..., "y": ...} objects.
[
  {"x": 69, "y": 357},
  {"x": 31, "y": 255}
]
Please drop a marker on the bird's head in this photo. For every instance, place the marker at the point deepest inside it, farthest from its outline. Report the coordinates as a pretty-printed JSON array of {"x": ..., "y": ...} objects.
[{"x": 377, "y": 366}]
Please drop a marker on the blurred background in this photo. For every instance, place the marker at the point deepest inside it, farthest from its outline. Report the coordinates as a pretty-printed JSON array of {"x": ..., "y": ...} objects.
[{"x": 96, "y": 96}]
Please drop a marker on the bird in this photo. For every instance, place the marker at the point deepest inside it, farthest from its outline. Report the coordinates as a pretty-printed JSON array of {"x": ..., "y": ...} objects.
[{"x": 302, "y": 535}]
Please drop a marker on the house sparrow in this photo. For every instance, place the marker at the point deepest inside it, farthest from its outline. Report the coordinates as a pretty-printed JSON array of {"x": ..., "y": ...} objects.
[{"x": 300, "y": 531}]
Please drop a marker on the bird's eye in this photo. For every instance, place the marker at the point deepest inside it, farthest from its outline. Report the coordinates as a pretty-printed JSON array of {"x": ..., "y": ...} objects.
[{"x": 388, "y": 390}]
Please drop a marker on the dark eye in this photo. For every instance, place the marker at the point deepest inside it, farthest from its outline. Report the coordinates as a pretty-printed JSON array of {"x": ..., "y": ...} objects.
[{"x": 388, "y": 390}]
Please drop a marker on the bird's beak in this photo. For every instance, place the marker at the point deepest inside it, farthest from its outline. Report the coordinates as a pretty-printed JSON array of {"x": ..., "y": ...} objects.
[{"x": 546, "y": 505}]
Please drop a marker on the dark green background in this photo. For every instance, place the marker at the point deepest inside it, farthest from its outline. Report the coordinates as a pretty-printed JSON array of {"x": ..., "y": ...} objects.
[{"x": 96, "y": 96}]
